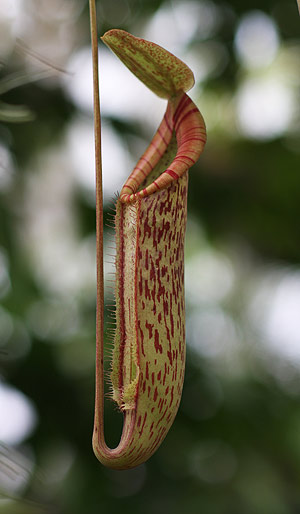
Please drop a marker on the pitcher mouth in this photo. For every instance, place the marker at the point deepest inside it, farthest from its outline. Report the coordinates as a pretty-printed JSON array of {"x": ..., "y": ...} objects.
[{"x": 183, "y": 120}]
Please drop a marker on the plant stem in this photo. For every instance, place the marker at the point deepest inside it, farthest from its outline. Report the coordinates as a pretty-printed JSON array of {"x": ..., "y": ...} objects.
[{"x": 99, "y": 216}]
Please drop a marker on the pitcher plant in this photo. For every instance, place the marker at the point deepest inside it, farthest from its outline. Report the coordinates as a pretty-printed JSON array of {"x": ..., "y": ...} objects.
[{"x": 148, "y": 362}]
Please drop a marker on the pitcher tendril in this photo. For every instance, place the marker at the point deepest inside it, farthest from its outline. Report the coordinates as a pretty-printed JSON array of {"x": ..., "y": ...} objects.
[{"x": 148, "y": 361}]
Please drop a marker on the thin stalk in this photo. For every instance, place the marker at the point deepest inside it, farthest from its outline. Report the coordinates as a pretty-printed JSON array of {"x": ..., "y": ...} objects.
[
  {"x": 99, "y": 221},
  {"x": 98, "y": 436}
]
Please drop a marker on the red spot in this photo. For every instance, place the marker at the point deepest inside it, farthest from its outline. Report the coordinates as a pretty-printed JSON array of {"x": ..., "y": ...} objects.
[
  {"x": 147, "y": 229},
  {"x": 147, "y": 290},
  {"x": 161, "y": 208},
  {"x": 166, "y": 308},
  {"x": 147, "y": 259},
  {"x": 162, "y": 417},
  {"x": 157, "y": 261},
  {"x": 172, "y": 323},
  {"x": 142, "y": 337},
  {"x": 165, "y": 374},
  {"x": 141, "y": 286},
  {"x": 158, "y": 375},
  {"x": 158, "y": 346},
  {"x": 149, "y": 327},
  {"x": 164, "y": 270},
  {"x": 160, "y": 292},
  {"x": 152, "y": 272},
  {"x": 169, "y": 416},
  {"x": 172, "y": 396},
  {"x": 144, "y": 421},
  {"x": 155, "y": 395}
]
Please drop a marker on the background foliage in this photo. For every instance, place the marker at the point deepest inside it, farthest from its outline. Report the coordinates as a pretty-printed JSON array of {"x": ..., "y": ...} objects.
[{"x": 235, "y": 444}]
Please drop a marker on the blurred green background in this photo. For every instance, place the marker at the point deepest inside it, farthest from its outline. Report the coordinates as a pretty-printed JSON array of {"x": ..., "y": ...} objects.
[{"x": 235, "y": 445}]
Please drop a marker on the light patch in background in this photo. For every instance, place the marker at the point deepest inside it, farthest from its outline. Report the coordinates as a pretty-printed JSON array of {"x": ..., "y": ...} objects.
[
  {"x": 209, "y": 277},
  {"x": 57, "y": 10},
  {"x": 79, "y": 85},
  {"x": 282, "y": 318},
  {"x": 50, "y": 30},
  {"x": 264, "y": 108},
  {"x": 10, "y": 9},
  {"x": 116, "y": 162},
  {"x": 273, "y": 313},
  {"x": 18, "y": 415},
  {"x": 212, "y": 333},
  {"x": 176, "y": 24},
  {"x": 256, "y": 40},
  {"x": 63, "y": 263},
  {"x": 53, "y": 320}
]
